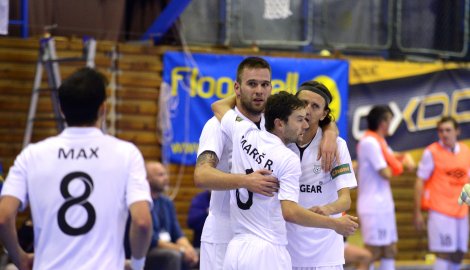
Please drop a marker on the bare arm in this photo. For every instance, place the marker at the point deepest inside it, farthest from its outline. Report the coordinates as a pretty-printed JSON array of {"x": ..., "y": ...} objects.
[
  {"x": 342, "y": 204},
  {"x": 141, "y": 229},
  {"x": 328, "y": 147},
  {"x": 208, "y": 177},
  {"x": 220, "y": 107},
  {"x": 418, "y": 215},
  {"x": 8, "y": 235},
  {"x": 292, "y": 212}
]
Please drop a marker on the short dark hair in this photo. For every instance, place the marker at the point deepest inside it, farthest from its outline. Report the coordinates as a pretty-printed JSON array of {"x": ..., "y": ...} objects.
[
  {"x": 281, "y": 106},
  {"x": 323, "y": 91},
  {"x": 252, "y": 62},
  {"x": 81, "y": 95},
  {"x": 448, "y": 119},
  {"x": 376, "y": 115}
]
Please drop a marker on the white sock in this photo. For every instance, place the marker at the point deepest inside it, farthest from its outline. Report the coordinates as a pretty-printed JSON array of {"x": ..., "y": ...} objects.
[
  {"x": 441, "y": 264},
  {"x": 387, "y": 264}
]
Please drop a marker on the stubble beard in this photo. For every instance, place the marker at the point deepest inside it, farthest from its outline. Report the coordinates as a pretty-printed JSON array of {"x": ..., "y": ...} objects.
[{"x": 247, "y": 106}]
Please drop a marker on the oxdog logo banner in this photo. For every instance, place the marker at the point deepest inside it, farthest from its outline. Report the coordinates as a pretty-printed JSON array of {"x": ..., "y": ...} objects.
[
  {"x": 418, "y": 94},
  {"x": 192, "y": 82}
]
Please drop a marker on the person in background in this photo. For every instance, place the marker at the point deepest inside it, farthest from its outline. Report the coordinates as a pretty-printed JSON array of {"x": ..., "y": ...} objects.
[
  {"x": 443, "y": 170},
  {"x": 377, "y": 164},
  {"x": 169, "y": 249},
  {"x": 197, "y": 215}
]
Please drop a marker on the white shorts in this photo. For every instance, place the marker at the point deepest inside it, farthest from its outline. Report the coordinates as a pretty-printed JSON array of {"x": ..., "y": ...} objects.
[
  {"x": 212, "y": 256},
  {"x": 336, "y": 267},
  {"x": 379, "y": 229},
  {"x": 251, "y": 252},
  {"x": 447, "y": 234}
]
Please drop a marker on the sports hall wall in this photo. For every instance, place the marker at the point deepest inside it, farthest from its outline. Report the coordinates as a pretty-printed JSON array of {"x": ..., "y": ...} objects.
[{"x": 135, "y": 76}]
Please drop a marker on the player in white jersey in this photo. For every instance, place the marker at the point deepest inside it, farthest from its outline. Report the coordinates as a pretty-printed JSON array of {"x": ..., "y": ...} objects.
[
  {"x": 376, "y": 165},
  {"x": 324, "y": 192},
  {"x": 80, "y": 186},
  {"x": 259, "y": 221},
  {"x": 254, "y": 86},
  {"x": 215, "y": 152}
]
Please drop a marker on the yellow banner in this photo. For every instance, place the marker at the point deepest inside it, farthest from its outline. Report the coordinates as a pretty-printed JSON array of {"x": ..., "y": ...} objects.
[{"x": 367, "y": 71}]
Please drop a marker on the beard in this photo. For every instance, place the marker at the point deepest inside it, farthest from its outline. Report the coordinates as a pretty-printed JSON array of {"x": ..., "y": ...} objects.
[{"x": 245, "y": 102}]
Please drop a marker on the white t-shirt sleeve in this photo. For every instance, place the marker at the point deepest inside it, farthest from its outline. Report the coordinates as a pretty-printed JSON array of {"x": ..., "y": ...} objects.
[
  {"x": 228, "y": 123},
  {"x": 288, "y": 176},
  {"x": 371, "y": 149},
  {"x": 343, "y": 173},
  {"x": 137, "y": 185},
  {"x": 426, "y": 165},
  {"x": 16, "y": 184},
  {"x": 211, "y": 138}
]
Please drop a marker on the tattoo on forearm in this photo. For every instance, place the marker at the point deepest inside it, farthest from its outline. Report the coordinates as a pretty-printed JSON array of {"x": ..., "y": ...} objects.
[{"x": 207, "y": 157}]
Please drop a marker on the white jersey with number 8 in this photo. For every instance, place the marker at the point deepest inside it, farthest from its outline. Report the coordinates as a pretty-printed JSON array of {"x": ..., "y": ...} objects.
[{"x": 79, "y": 185}]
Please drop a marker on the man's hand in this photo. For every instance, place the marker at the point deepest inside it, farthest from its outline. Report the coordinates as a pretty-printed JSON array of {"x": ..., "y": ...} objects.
[
  {"x": 25, "y": 261},
  {"x": 346, "y": 225},
  {"x": 418, "y": 220},
  {"x": 408, "y": 163},
  {"x": 261, "y": 182},
  {"x": 328, "y": 151},
  {"x": 190, "y": 256}
]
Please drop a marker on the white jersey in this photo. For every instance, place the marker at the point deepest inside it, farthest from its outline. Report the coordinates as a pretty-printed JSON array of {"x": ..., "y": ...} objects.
[
  {"x": 217, "y": 225},
  {"x": 253, "y": 150},
  {"x": 79, "y": 185},
  {"x": 317, "y": 247},
  {"x": 374, "y": 192}
]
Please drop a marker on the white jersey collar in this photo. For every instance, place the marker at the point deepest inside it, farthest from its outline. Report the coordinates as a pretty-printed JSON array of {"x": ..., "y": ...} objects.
[{"x": 81, "y": 131}]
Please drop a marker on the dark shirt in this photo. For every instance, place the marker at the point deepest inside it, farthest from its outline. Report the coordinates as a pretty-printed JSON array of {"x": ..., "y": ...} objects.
[
  {"x": 198, "y": 212},
  {"x": 164, "y": 219}
]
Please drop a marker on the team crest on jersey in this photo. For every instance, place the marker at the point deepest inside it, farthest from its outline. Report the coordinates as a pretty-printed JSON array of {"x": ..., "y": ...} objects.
[
  {"x": 238, "y": 119},
  {"x": 316, "y": 169}
]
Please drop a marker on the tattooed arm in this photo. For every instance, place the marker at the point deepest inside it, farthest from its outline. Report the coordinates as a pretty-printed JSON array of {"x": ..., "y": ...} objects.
[{"x": 208, "y": 177}]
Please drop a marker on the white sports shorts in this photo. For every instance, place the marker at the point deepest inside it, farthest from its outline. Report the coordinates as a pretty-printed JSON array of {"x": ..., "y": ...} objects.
[
  {"x": 447, "y": 234},
  {"x": 212, "y": 256},
  {"x": 379, "y": 229},
  {"x": 247, "y": 251}
]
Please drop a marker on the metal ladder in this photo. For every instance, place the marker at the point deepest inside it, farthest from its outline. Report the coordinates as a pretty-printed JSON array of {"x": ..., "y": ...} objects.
[{"x": 48, "y": 61}]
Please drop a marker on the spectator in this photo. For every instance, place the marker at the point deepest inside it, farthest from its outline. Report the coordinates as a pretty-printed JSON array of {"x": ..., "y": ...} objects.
[
  {"x": 169, "y": 248},
  {"x": 198, "y": 212}
]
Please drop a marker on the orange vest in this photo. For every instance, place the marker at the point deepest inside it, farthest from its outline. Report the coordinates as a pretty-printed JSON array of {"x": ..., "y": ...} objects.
[
  {"x": 443, "y": 187},
  {"x": 394, "y": 163}
]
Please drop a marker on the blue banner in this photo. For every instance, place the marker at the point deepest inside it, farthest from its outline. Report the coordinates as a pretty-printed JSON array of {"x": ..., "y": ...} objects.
[
  {"x": 192, "y": 82},
  {"x": 417, "y": 102}
]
